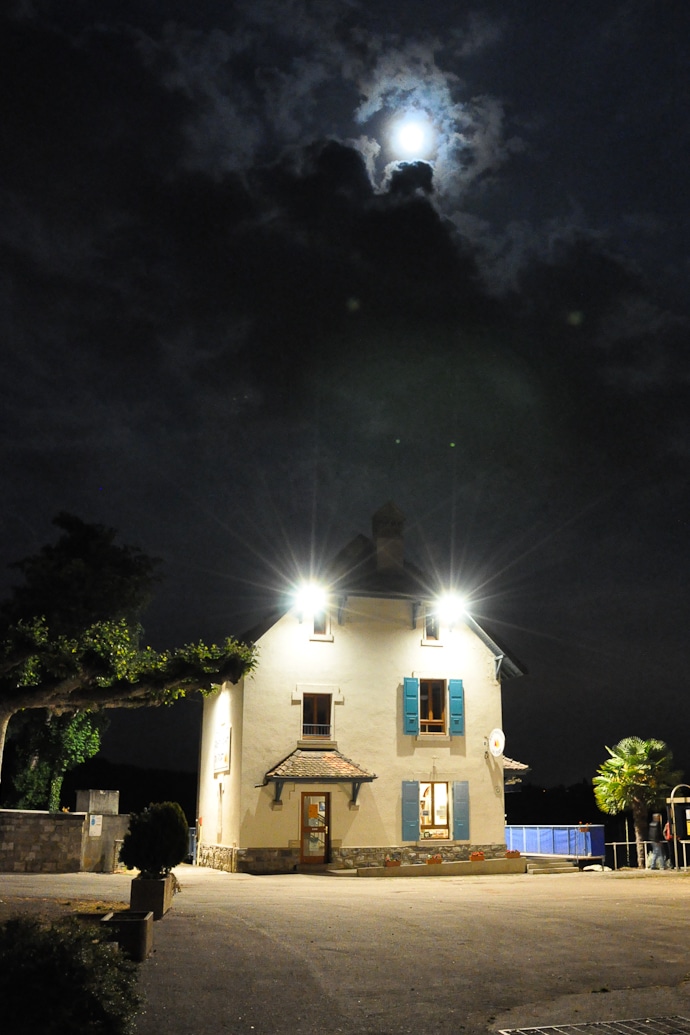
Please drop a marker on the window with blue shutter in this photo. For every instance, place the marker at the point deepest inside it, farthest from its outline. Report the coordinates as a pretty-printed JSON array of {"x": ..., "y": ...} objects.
[
  {"x": 410, "y": 810},
  {"x": 461, "y": 810},
  {"x": 411, "y": 705},
  {"x": 456, "y": 696}
]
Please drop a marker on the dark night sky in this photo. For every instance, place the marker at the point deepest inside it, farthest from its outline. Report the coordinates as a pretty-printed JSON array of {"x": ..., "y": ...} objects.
[{"x": 234, "y": 323}]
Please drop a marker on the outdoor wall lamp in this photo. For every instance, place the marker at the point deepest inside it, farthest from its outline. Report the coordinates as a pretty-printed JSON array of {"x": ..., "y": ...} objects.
[
  {"x": 450, "y": 609},
  {"x": 310, "y": 598}
]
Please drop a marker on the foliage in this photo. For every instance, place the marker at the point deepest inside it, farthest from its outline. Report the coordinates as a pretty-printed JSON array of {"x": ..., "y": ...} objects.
[
  {"x": 64, "y": 978},
  {"x": 70, "y": 638},
  {"x": 44, "y": 747},
  {"x": 637, "y": 776},
  {"x": 81, "y": 579},
  {"x": 157, "y": 840}
]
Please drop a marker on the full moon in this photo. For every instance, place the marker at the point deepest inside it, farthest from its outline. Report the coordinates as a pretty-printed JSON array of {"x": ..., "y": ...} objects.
[{"x": 412, "y": 136}]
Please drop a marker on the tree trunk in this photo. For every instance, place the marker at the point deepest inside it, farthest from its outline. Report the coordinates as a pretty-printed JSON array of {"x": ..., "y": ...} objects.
[
  {"x": 4, "y": 723},
  {"x": 54, "y": 794},
  {"x": 641, "y": 830}
]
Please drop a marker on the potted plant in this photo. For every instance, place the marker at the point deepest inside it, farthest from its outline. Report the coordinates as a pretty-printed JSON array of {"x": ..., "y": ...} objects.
[
  {"x": 157, "y": 840},
  {"x": 476, "y": 857}
]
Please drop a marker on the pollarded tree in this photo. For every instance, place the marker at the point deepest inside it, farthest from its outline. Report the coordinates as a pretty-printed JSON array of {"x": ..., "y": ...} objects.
[
  {"x": 638, "y": 776},
  {"x": 70, "y": 638}
]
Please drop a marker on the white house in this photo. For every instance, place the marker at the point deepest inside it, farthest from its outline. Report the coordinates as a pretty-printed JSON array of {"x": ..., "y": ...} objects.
[{"x": 364, "y": 731}]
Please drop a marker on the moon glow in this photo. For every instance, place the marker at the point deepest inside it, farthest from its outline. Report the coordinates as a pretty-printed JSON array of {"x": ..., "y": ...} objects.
[{"x": 412, "y": 136}]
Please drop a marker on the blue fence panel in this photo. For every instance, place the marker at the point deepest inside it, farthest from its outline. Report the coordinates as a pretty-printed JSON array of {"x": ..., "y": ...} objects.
[
  {"x": 562, "y": 844},
  {"x": 576, "y": 841}
]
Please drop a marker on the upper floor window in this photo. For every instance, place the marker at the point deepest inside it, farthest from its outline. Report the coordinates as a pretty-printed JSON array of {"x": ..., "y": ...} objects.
[
  {"x": 432, "y": 627},
  {"x": 316, "y": 716},
  {"x": 433, "y": 706},
  {"x": 321, "y": 623}
]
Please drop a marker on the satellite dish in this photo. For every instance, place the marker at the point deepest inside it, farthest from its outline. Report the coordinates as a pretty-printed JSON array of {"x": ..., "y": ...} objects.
[{"x": 497, "y": 742}]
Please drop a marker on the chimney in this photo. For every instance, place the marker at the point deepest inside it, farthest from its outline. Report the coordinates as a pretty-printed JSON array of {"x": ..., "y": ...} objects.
[{"x": 387, "y": 528}]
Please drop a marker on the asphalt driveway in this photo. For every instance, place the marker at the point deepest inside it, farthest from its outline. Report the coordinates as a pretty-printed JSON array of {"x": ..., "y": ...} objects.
[{"x": 304, "y": 954}]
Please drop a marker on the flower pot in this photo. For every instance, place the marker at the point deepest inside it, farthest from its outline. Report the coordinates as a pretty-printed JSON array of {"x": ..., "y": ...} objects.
[
  {"x": 476, "y": 857},
  {"x": 132, "y": 931},
  {"x": 391, "y": 862},
  {"x": 152, "y": 895}
]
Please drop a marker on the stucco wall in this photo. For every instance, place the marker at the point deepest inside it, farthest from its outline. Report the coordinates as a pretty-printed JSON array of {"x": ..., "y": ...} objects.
[{"x": 363, "y": 666}]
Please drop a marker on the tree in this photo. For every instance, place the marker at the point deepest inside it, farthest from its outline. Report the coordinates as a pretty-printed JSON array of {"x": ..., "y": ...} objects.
[
  {"x": 45, "y": 747},
  {"x": 637, "y": 776},
  {"x": 70, "y": 636}
]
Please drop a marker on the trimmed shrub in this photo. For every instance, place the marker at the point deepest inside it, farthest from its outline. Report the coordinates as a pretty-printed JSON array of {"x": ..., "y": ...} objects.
[
  {"x": 157, "y": 840},
  {"x": 64, "y": 978}
]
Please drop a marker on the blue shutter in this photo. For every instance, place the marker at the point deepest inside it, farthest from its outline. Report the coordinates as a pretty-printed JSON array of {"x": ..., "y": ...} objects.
[
  {"x": 456, "y": 695},
  {"x": 411, "y": 705},
  {"x": 410, "y": 810},
  {"x": 461, "y": 810}
]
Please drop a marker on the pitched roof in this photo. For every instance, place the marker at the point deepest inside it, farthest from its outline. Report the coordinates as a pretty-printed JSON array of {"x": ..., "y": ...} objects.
[
  {"x": 510, "y": 763},
  {"x": 356, "y": 570},
  {"x": 318, "y": 764}
]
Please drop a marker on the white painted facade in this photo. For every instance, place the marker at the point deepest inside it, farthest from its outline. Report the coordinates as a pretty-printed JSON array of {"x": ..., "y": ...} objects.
[{"x": 372, "y": 644}]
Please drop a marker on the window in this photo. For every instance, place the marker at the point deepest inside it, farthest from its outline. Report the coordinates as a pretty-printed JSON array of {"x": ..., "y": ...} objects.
[
  {"x": 434, "y": 811},
  {"x": 320, "y": 623},
  {"x": 316, "y": 716},
  {"x": 433, "y": 706},
  {"x": 432, "y": 627}
]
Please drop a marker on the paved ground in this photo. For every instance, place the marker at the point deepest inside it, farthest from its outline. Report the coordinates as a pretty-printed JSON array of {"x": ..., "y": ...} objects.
[{"x": 305, "y": 954}]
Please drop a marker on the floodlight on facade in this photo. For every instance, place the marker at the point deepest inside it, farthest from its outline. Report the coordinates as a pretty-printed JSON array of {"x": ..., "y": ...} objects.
[
  {"x": 310, "y": 598},
  {"x": 450, "y": 608}
]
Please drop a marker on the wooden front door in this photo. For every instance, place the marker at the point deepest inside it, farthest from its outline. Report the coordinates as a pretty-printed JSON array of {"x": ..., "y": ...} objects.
[{"x": 315, "y": 820}]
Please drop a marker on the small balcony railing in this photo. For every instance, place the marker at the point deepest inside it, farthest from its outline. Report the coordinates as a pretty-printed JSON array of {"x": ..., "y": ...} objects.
[{"x": 322, "y": 730}]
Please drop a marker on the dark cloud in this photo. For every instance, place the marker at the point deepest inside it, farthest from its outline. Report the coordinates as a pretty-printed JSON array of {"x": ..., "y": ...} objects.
[{"x": 234, "y": 321}]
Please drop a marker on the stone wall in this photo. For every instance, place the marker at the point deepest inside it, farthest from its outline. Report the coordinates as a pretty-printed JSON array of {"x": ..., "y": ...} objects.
[
  {"x": 355, "y": 858},
  {"x": 217, "y": 857},
  {"x": 40, "y": 842},
  {"x": 59, "y": 842},
  {"x": 286, "y": 860}
]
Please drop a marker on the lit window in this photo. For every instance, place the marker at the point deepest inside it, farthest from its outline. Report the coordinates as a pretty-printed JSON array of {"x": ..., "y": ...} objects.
[
  {"x": 432, "y": 706},
  {"x": 316, "y": 716},
  {"x": 433, "y": 811}
]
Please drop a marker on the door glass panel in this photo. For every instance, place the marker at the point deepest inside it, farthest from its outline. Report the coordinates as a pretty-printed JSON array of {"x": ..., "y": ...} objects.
[{"x": 314, "y": 827}]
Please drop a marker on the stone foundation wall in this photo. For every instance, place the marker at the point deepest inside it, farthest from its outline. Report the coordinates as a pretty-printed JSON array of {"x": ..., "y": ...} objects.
[
  {"x": 268, "y": 860},
  {"x": 286, "y": 860},
  {"x": 40, "y": 842},
  {"x": 217, "y": 857},
  {"x": 356, "y": 858}
]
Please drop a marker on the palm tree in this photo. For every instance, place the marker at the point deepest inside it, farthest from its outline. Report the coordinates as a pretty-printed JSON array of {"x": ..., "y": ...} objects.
[{"x": 637, "y": 776}]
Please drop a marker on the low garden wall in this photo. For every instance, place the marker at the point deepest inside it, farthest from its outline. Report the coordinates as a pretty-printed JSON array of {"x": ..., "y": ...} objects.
[{"x": 59, "y": 842}]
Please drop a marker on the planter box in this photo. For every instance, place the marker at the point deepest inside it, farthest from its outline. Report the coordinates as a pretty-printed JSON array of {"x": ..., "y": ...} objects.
[
  {"x": 133, "y": 932},
  {"x": 153, "y": 896}
]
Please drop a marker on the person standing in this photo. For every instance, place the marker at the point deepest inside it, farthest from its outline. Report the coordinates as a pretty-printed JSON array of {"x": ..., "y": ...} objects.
[{"x": 657, "y": 860}]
